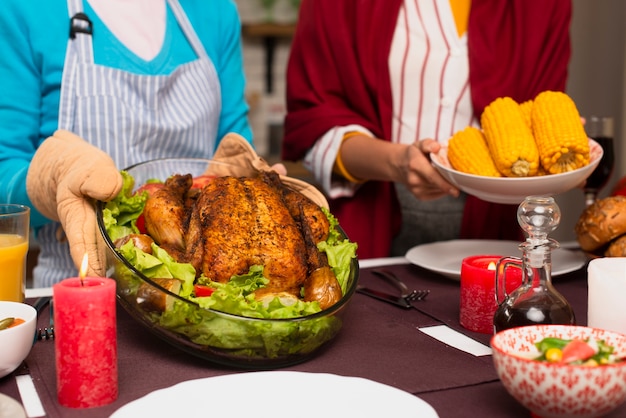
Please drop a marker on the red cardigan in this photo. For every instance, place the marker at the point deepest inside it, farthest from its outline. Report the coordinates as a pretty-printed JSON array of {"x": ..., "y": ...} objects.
[{"x": 338, "y": 75}]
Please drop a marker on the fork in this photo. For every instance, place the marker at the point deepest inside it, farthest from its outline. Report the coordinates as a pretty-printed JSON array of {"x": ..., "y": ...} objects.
[
  {"x": 411, "y": 296},
  {"x": 48, "y": 332},
  {"x": 39, "y": 305},
  {"x": 417, "y": 295},
  {"x": 404, "y": 300}
]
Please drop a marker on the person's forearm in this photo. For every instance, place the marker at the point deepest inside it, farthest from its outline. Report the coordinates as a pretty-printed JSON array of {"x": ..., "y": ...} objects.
[{"x": 368, "y": 158}]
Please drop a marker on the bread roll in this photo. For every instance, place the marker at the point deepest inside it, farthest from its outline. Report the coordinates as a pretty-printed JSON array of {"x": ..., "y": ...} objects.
[
  {"x": 601, "y": 223},
  {"x": 617, "y": 247}
]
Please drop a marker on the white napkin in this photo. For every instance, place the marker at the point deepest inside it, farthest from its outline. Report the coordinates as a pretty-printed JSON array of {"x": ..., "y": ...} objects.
[
  {"x": 607, "y": 293},
  {"x": 453, "y": 338},
  {"x": 30, "y": 398}
]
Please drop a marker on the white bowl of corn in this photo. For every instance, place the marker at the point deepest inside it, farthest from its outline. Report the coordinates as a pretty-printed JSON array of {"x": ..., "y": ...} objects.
[
  {"x": 513, "y": 190},
  {"x": 522, "y": 150}
]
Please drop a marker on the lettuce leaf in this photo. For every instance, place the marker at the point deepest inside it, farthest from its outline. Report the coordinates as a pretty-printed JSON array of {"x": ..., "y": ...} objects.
[{"x": 121, "y": 213}]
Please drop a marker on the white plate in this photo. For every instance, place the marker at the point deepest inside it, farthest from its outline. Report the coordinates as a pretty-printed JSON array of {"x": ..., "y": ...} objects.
[
  {"x": 9, "y": 407},
  {"x": 274, "y": 394},
  {"x": 445, "y": 257},
  {"x": 513, "y": 190}
]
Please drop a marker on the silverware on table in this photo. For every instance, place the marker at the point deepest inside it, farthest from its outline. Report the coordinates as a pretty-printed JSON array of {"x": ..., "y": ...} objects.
[
  {"x": 39, "y": 304},
  {"x": 416, "y": 295},
  {"x": 406, "y": 297},
  {"x": 47, "y": 333}
]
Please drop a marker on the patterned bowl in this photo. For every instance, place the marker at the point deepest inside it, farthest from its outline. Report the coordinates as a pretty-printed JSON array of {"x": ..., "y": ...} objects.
[{"x": 559, "y": 390}]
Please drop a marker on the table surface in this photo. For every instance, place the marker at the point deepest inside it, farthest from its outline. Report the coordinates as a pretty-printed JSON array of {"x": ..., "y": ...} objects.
[{"x": 379, "y": 341}]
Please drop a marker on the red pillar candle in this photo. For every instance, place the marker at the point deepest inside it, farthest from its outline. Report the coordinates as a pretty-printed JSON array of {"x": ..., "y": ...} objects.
[
  {"x": 478, "y": 300},
  {"x": 85, "y": 341}
]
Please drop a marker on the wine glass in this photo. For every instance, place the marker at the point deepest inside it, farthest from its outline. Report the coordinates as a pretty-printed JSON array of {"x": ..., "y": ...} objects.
[{"x": 601, "y": 131}]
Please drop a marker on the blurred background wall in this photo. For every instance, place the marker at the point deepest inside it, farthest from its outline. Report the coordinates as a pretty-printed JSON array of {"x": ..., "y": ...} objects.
[
  {"x": 596, "y": 82},
  {"x": 267, "y": 35}
]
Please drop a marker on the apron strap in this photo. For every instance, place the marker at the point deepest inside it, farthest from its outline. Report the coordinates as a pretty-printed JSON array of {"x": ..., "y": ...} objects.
[
  {"x": 187, "y": 28},
  {"x": 81, "y": 30},
  {"x": 78, "y": 47}
]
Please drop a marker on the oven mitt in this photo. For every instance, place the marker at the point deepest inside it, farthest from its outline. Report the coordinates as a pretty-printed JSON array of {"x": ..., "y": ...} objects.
[
  {"x": 65, "y": 176},
  {"x": 240, "y": 159}
]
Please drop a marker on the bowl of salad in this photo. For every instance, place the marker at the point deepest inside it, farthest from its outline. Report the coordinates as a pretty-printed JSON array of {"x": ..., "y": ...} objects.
[
  {"x": 227, "y": 267},
  {"x": 562, "y": 370}
]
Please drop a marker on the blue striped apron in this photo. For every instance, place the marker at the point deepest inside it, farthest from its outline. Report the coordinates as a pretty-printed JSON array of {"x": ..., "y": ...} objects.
[{"x": 133, "y": 118}]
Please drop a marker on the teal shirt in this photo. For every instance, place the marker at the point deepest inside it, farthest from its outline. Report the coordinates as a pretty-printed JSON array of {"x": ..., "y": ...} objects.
[{"x": 33, "y": 40}]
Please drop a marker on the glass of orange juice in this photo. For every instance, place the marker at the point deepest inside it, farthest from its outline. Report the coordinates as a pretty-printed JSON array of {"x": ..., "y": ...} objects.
[{"x": 14, "y": 232}]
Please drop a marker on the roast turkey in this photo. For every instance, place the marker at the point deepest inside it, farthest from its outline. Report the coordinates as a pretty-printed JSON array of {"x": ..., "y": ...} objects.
[{"x": 234, "y": 223}]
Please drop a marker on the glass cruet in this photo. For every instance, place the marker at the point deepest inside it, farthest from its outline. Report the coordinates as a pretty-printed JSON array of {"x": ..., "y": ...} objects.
[{"x": 536, "y": 301}]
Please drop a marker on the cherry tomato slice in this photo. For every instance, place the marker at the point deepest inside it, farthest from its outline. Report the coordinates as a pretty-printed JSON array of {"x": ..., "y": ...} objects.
[
  {"x": 202, "y": 290},
  {"x": 577, "y": 350},
  {"x": 141, "y": 224},
  {"x": 200, "y": 181},
  {"x": 149, "y": 187}
]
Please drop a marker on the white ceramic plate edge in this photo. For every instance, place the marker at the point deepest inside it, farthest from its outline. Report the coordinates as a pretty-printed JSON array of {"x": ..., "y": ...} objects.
[
  {"x": 278, "y": 393},
  {"x": 444, "y": 257},
  {"x": 10, "y": 407}
]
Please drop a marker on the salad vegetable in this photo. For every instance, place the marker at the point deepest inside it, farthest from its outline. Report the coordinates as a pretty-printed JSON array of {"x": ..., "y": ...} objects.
[
  {"x": 10, "y": 322},
  {"x": 587, "y": 352}
]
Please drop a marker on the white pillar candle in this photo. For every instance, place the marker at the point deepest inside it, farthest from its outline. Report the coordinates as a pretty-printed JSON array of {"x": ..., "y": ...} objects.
[{"x": 607, "y": 293}]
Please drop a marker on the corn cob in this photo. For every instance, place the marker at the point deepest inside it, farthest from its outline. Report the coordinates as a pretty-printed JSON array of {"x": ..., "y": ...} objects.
[
  {"x": 527, "y": 108},
  {"x": 542, "y": 171},
  {"x": 510, "y": 139},
  {"x": 468, "y": 153},
  {"x": 561, "y": 139}
]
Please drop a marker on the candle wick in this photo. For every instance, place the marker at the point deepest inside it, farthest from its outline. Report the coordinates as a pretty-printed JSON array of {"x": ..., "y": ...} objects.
[{"x": 83, "y": 271}]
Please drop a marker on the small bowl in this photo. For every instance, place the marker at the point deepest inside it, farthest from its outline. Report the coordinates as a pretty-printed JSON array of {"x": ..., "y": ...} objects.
[
  {"x": 553, "y": 390},
  {"x": 16, "y": 341},
  {"x": 221, "y": 338},
  {"x": 513, "y": 190}
]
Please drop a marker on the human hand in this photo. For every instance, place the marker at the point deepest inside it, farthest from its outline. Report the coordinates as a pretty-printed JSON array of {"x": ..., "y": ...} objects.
[
  {"x": 280, "y": 169},
  {"x": 65, "y": 176},
  {"x": 419, "y": 175}
]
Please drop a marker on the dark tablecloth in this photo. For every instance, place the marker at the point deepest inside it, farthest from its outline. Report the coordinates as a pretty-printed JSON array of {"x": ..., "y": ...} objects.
[{"x": 379, "y": 341}]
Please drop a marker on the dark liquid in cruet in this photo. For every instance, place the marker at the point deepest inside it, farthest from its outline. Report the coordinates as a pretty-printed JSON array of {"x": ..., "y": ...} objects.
[{"x": 533, "y": 312}]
